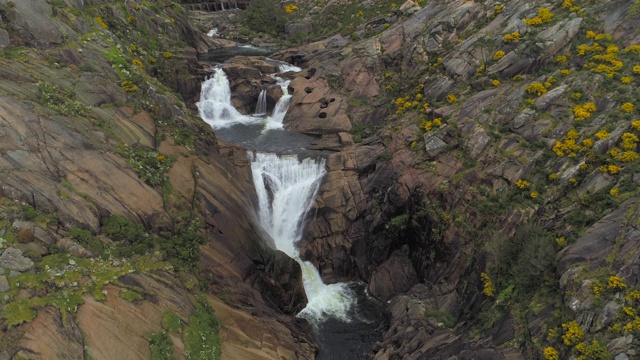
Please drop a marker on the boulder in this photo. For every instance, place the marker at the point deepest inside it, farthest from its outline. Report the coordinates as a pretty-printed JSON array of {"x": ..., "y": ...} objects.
[
  {"x": 299, "y": 28},
  {"x": 12, "y": 259}
]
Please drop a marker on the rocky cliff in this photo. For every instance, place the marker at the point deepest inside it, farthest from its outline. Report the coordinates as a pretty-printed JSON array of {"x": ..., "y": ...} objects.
[
  {"x": 484, "y": 178},
  {"x": 126, "y": 227}
]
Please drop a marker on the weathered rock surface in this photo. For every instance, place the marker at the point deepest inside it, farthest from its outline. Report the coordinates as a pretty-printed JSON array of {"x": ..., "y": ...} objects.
[{"x": 12, "y": 259}]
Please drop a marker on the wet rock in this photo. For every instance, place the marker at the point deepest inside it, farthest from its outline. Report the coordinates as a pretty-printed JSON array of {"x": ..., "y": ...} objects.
[{"x": 12, "y": 259}]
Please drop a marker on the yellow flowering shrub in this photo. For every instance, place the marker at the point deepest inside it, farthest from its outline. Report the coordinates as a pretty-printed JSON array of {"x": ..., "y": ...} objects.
[
  {"x": 615, "y": 282},
  {"x": 289, "y": 9},
  {"x": 137, "y": 63},
  {"x": 633, "y": 48},
  {"x": 514, "y": 36},
  {"x": 614, "y": 192},
  {"x": 544, "y": 16},
  {"x": 636, "y": 124},
  {"x": 495, "y": 82},
  {"x": 522, "y": 184},
  {"x": 129, "y": 86},
  {"x": 452, "y": 99},
  {"x": 597, "y": 288},
  {"x": 533, "y": 194},
  {"x": 488, "y": 288},
  {"x": 636, "y": 69},
  {"x": 582, "y": 112},
  {"x": 536, "y": 88},
  {"x": 167, "y": 55},
  {"x": 602, "y": 134},
  {"x": 569, "y": 146},
  {"x": 550, "y": 353},
  {"x": 573, "y": 333},
  {"x": 626, "y": 79},
  {"x": 500, "y": 54},
  {"x": 627, "y": 107},
  {"x": 100, "y": 22}
]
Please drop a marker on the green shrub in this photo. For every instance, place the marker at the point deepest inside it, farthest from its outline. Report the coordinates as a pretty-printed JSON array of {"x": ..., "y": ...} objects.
[
  {"x": 60, "y": 100},
  {"x": 133, "y": 238},
  {"x": 201, "y": 337},
  {"x": 264, "y": 16},
  {"x": 150, "y": 165},
  {"x": 525, "y": 260},
  {"x": 171, "y": 322},
  {"x": 161, "y": 346}
]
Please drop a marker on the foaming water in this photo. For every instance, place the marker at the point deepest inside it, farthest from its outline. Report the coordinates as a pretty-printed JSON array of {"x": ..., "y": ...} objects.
[
  {"x": 216, "y": 109},
  {"x": 286, "y": 188},
  {"x": 283, "y": 66}
]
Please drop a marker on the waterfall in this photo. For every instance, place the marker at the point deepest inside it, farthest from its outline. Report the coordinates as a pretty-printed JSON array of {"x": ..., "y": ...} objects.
[
  {"x": 286, "y": 188},
  {"x": 280, "y": 110},
  {"x": 284, "y": 66},
  {"x": 215, "y": 105},
  {"x": 216, "y": 109},
  {"x": 261, "y": 106}
]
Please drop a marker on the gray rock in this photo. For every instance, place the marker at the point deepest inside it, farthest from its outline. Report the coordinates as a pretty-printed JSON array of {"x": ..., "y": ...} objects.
[
  {"x": 477, "y": 142},
  {"x": 4, "y": 283},
  {"x": 43, "y": 236},
  {"x": 4, "y": 38},
  {"x": 523, "y": 117},
  {"x": 12, "y": 259},
  {"x": 544, "y": 101},
  {"x": 558, "y": 36},
  {"x": 437, "y": 89},
  {"x": 620, "y": 344},
  {"x": 622, "y": 356},
  {"x": 608, "y": 315},
  {"x": 433, "y": 144},
  {"x": 302, "y": 28},
  {"x": 394, "y": 276}
]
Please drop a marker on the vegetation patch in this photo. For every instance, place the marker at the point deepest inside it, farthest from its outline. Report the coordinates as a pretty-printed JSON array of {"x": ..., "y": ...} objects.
[{"x": 60, "y": 100}]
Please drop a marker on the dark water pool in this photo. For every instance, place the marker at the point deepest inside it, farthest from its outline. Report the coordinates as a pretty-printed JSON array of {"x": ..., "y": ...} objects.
[{"x": 351, "y": 341}]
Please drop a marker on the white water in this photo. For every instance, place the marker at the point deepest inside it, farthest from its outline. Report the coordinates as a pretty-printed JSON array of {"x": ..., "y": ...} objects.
[
  {"x": 286, "y": 188},
  {"x": 261, "y": 106},
  {"x": 216, "y": 109},
  {"x": 284, "y": 67}
]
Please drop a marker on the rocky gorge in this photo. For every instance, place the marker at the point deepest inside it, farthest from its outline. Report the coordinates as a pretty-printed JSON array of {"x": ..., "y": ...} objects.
[{"x": 482, "y": 181}]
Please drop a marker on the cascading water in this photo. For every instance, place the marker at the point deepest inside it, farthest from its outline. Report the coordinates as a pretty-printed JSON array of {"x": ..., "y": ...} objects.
[
  {"x": 344, "y": 316},
  {"x": 284, "y": 67},
  {"x": 261, "y": 106},
  {"x": 215, "y": 105},
  {"x": 286, "y": 188}
]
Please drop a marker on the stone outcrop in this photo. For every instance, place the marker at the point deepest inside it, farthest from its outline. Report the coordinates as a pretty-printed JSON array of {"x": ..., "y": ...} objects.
[{"x": 64, "y": 159}]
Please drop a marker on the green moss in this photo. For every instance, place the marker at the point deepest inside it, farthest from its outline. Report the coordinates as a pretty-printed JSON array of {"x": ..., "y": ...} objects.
[{"x": 131, "y": 296}]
